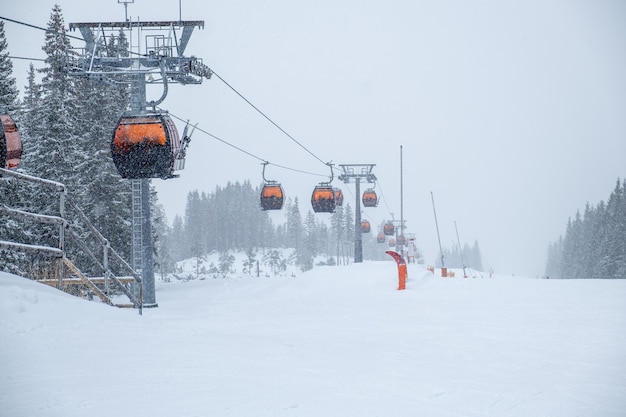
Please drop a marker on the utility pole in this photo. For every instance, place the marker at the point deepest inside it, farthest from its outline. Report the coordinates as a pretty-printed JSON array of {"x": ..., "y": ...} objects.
[
  {"x": 155, "y": 55},
  {"x": 357, "y": 172}
]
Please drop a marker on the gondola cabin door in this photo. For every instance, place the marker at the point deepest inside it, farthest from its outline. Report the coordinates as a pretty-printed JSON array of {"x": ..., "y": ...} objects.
[
  {"x": 145, "y": 146},
  {"x": 338, "y": 196}
]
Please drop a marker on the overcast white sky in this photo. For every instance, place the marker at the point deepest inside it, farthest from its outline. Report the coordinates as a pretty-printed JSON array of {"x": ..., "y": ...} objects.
[{"x": 513, "y": 114}]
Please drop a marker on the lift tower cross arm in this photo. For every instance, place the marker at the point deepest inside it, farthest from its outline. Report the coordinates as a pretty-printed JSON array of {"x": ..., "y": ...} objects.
[{"x": 161, "y": 54}]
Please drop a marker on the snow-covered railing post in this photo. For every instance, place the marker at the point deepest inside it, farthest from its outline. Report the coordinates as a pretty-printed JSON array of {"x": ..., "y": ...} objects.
[
  {"x": 61, "y": 267},
  {"x": 105, "y": 264}
]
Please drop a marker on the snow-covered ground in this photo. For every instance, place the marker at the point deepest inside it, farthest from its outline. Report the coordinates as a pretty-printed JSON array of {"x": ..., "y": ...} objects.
[{"x": 334, "y": 341}]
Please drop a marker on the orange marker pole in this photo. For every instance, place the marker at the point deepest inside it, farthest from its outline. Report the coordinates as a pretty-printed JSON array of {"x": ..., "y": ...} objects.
[{"x": 402, "y": 271}]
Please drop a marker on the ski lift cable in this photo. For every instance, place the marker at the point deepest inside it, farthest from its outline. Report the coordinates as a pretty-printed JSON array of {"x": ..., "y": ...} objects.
[
  {"x": 26, "y": 58},
  {"x": 225, "y": 142},
  {"x": 382, "y": 194},
  {"x": 52, "y": 31},
  {"x": 268, "y": 118},
  {"x": 40, "y": 28}
]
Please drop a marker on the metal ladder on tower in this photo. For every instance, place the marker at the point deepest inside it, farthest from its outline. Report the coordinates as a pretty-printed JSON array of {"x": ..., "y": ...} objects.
[{"x": 137, "y": 208}]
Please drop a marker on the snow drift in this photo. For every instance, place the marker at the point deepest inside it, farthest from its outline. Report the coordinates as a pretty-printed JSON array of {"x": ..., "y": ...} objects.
[{"x": 335, "y": 341}]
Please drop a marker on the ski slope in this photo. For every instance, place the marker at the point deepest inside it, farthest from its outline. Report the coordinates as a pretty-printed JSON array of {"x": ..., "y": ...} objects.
[{"x": 334, "y": 341}]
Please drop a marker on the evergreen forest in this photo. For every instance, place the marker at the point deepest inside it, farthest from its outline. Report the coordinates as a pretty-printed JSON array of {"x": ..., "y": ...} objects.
[{"x": 594, "y": 243}]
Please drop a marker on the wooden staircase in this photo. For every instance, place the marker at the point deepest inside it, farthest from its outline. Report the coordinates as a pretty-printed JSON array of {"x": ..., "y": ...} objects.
[{"x": 67, "y": 276}]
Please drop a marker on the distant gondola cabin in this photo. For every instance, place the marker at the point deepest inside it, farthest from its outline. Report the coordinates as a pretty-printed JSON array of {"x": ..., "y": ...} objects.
[
  {"x": 145, "y": 146},
  {"x": 323, "y": 199},
  {"x": 380, "y": 238},
  {"x": 365, "y": 226},
  {"x": 400, "y": 240},
  {"x": 272, "y": 197},
  {"x": 338, "y": 196},
  {"x": 10, "y": 143},
  {"x": 370, "y": 199},
  {"x": 392, "y": 243},
  {"x": 389, "y": 229}
]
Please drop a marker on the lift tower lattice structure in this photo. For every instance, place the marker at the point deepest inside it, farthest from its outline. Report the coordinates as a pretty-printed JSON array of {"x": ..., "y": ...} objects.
[
  {"x": 357, "y": 172},
  {"x": 146, "y": 53}
]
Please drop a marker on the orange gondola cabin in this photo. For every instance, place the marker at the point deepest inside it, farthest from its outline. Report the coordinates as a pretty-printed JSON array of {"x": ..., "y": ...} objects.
[
  {"x": 380, "y": 238},
  {"x": 145, "y": 146},
  {"x": 323, "y": 199},
  {"x": 272, "y": 196},
  {"x": 10, "y": 143},
  {"x": 365, "y": 226},
  {"x": 389, "y": 229},
  {"x": 370, "y": 199},
  {"x": 392, "y": 243}
]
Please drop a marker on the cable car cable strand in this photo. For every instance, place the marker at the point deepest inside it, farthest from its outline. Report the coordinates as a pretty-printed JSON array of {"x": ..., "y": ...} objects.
[
  {"x": 243, "y": 150},
  {"x": 26, "y": 58},
  {"x": 268, "y": 118},
  {"x": 40, "y": 28}
]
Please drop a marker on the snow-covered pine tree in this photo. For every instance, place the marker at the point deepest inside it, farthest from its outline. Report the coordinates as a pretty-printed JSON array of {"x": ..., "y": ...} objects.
[
  {"x": 594, "y": 244},
  {"x": 295, "y": 229},
  {"x": 50, "y": 147},
  {"x": 55, "y": 147},
  {"x": 348, "y": 225},
  {"x": 8, "y": 88},
  {"x": 163, "y": 260},
  {"x": 105, "y": 196},
  {"x": 620, "y": 269},
  {"x": 323, "y": 238},
  {"x": 613, "y": 258},
  {"x": 571, "y": 248},
  {"x": 337, "y": 233},
  {"x": 194, "y": 232},
  {"x": 177, "y": 239},
  {"x": 553, "y": 262},
  {"x": 308, "y": 249}
]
